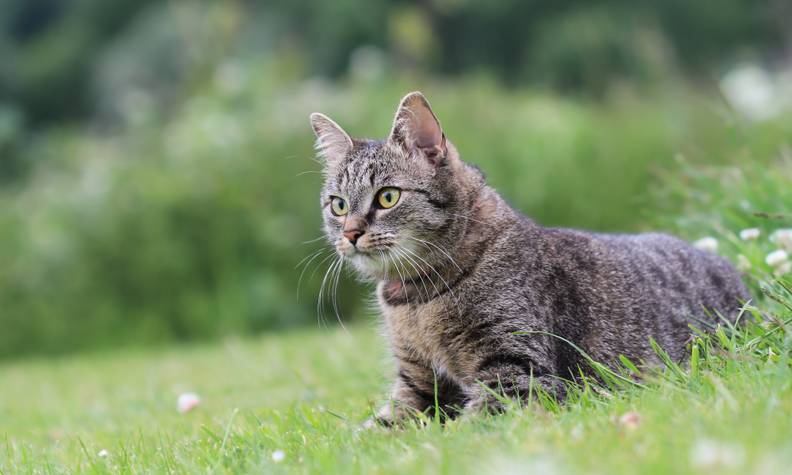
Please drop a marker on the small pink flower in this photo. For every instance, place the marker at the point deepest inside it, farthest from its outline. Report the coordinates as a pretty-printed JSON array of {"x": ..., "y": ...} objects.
[
  {"x": 630, "y": 420},
  {"x": 187, "y": 402}
]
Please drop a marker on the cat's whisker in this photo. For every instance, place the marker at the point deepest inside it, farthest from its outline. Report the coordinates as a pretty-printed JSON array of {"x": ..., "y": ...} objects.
[
  {"x": 439, "y": 249},
  {"x": 313, "y": 240},
  {"x": 408, "y": 262},
  {"x": 335, "y": 293},
  {"x": 422, "y": 272},
  {"x": 419, "y": 274},
  {"x": 308, "y": 172},
  {"x": 306, "y": 257},
  {"x": 456, "y": 300},
  {"x": 320, "y": 300},
  {"x": 331, "y": 254},
  {"x": 419, "y": 270},
  {"x": 312, "y": 256},
  {"x": 467, "y": 217},
  {"x": 401, "y": 277}
]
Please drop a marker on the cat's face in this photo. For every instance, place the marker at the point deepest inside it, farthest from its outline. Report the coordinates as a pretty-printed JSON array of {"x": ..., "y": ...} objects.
[{"x": 385, "y": 204}]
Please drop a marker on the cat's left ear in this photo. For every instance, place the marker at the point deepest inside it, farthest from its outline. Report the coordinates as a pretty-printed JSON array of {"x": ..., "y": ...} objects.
[{"x": 417, "y": 130}]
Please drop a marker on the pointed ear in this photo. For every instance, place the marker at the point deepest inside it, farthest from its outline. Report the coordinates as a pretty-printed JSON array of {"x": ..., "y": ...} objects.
[
  {"x": 417, "y": 130},
  {"x": 332, "y": 143}
]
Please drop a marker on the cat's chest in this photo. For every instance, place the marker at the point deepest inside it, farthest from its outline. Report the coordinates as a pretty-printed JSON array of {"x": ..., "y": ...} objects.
[{"x": 422, "y": 331}]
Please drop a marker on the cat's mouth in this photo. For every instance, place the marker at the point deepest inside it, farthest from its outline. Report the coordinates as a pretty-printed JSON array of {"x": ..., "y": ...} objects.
[{"x": 389, "y": 261}]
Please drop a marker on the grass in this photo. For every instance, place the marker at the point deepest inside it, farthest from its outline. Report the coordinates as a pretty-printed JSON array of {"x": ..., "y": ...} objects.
[{"x": 305, "y": 393}]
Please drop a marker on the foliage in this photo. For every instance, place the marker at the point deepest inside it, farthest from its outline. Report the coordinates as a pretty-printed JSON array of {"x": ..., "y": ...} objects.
[{"x": 58, "y": 52}]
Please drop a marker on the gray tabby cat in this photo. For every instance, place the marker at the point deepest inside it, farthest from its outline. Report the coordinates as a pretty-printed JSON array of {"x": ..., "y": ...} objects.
[{"x": 459, "y": 271}]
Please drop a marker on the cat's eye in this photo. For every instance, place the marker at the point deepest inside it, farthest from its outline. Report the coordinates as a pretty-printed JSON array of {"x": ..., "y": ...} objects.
[
  {"x": 338, "y": 206},
  {"x": 388, "y": 197}
]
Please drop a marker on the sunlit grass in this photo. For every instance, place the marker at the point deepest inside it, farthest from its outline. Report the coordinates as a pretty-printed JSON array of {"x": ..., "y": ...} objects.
[{"x": 295, "y": 402}]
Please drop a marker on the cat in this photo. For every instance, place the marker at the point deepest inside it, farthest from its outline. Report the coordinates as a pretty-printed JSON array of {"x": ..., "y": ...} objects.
[{"x": 459, "y": 272}]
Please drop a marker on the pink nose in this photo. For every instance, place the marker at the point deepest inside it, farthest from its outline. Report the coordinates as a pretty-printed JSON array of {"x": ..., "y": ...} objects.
[{"x": 353, "y": 235}]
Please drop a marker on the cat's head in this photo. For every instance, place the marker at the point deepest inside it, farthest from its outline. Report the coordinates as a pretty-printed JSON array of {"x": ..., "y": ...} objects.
[{"x": 390, "y": 206}]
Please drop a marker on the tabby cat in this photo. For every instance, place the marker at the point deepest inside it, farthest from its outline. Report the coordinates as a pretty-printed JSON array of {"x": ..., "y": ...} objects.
[{"x": 459, "y": 271}]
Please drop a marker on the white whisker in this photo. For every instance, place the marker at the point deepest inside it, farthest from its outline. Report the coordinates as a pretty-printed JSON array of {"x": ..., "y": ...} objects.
[
  {"x": 320, "y": 300},
  {"x": 456, "y": 301},
  {"x": 419, "y": 270},
  {"x": 335, "y": 293},
  {"x": 439, "y": 249},
  {"x": 307, "y": 265}
]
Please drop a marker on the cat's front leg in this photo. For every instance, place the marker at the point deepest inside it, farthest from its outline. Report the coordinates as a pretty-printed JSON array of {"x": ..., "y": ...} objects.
[
  {"x": 505, "y": 378},
  {"x": 412, "y": 393}
]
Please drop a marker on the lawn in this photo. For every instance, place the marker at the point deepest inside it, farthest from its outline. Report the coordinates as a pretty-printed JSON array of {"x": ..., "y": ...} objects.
[{"x": 294, "y": 403}]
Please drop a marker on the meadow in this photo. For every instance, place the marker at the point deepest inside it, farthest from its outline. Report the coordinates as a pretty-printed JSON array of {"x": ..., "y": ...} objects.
[{"x": 293, "y": 402}]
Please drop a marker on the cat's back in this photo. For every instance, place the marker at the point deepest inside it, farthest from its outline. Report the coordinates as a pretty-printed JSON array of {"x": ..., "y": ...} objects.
[{"x": 651, "y": 269}]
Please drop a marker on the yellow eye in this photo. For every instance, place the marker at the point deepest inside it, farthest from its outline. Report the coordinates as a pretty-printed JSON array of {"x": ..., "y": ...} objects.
[
  {"x": 338, "y": 206},
  {"x": 388, "y": 197}
]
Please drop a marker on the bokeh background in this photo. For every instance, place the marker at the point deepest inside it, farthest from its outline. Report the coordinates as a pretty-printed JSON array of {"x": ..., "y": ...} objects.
[{"x": 157, "y": 178}]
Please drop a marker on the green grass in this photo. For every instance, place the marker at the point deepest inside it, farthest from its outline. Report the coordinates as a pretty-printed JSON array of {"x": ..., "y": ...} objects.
[{"x": 305, "y": 393}]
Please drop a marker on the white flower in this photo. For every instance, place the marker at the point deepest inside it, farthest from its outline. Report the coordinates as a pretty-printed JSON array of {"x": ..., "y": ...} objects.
[
  {"x": 752, "y": 92},
  {"x": 777, "y": 258},
  {"x": 783, "y": 238},
  {"x": 783, "y": 269},
  {"x": 187, "y": 402},
  {"x": 711, "y": 454},
  {"x": 103, "y": 453},
  {"x": 750, "y": 234},
  {"x": 743, "y": 263},
  {"x": 278, "y": 456},
  {"x": 707, "y": 244}
]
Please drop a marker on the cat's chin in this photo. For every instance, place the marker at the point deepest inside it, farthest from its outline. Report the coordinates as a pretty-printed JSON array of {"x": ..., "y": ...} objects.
[
  {"x": 374, "y": 264},
  {"x": 371, "y": 266}
]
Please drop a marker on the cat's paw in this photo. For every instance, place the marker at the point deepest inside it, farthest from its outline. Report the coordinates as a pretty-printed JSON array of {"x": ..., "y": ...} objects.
[
  {"x": 373, "y": 423},
  {"x": 392, "y": 416},
  {"x": 386, "y": 417},
  {"x": 485, "y": 403}
]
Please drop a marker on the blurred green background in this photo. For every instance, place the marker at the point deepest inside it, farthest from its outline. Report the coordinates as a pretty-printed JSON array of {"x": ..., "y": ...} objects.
[{"x": 157, "y": 180}]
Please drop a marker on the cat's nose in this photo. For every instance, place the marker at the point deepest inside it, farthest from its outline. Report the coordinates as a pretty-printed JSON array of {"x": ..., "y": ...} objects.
[{"x": 353, "y": 235}]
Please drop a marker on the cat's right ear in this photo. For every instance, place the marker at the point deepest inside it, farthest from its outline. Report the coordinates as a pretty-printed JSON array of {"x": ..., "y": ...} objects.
[{"x": 332, "y": 143}]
